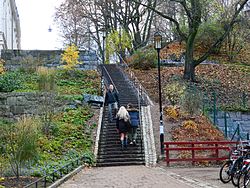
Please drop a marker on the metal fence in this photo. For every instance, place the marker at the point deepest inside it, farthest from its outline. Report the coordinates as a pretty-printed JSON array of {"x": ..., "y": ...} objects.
[
  {"x": 48, "y": 179},
  {"x": 229, "y": 116}
]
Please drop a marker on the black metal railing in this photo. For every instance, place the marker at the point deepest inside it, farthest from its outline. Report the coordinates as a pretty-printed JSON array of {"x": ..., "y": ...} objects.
[
  {"x": 49, "y": 179},
  {"x": 140, "y": 93}
]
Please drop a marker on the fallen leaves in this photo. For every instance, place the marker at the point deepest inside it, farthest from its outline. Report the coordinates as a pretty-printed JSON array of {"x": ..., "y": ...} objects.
[{"x": 197, "y": 129}]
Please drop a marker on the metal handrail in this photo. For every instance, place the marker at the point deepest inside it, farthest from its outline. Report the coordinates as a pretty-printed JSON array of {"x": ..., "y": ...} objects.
[
  {"x": 44, "y": 179},
  {"x": 138, "y": 88},
  {"x": 136, "y": 82},
  {"x": 110, "y": 79}
]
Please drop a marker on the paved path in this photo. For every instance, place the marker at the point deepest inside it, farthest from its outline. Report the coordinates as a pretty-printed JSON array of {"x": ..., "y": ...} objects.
[{"x": 144, "y": 177}]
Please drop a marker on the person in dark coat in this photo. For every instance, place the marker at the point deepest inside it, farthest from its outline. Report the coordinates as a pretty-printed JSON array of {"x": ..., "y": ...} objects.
[
  {"x": 135, "y": 122},
  {"x": 123, "y": 125},
  {"x": 112, "y": 100}
]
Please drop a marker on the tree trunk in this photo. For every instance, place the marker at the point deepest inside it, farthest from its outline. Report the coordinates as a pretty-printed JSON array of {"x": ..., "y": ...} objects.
[
  {"x": 189, "y": 71},
  {"x": 189, "y": 68}
]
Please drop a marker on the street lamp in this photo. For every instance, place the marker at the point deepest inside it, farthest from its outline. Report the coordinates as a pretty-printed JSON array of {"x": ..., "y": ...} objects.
[
  {"x": 157, "y": 45},
  {"x": 103, "y": 59},
  {"x": 103, "y": 46}
]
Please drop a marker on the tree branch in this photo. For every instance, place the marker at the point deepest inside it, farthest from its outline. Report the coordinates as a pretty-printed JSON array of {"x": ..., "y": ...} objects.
[
  {"x": 177, "y": 25},
  {"x": 184, "y": 4},
  {"x": 222, "y": 38}
]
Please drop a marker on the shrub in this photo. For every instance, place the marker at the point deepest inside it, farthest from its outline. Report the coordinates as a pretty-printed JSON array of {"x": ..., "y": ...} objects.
[
  {"x": 21, "y": 141},
  {"x": 172, "y": 112},
  {"x": 47, "y": 83},
  {"x": 70, "y": 57},
  {"x": 174, "y": 92},
  {"x": 1, "y": 66},
  {"x": 190, "y": 125},
  {"x": 191, "y": 101},
  {"x": 144, "y": 59},
  {"x": 29, "y": 64},
  {"x": 46, "y": 80},
  {"x": 10, "y": 81}
]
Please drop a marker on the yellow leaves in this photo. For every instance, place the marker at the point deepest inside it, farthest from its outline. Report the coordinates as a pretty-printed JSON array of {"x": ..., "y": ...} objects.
[
  {"x": 190, "y": 124},
  {"x": 1, "y": 66},
  {"x": 173, "y": 112},
  {"x": 117, "y": 41},
  {"x": 70, "y": 56},
  {"x": 196, "y": 129}
]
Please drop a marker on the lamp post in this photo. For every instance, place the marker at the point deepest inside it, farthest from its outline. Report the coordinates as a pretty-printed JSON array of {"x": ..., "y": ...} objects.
[
  {"x": 103, "y": 59},
  {"x": 103, "y": 46},
  {"x": 157, "y": 45}
]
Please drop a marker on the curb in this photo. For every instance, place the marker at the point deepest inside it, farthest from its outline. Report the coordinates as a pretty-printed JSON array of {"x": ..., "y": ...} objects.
[
  {"x": 65, "y": 178},
  {"x": 98, "y": 132}
]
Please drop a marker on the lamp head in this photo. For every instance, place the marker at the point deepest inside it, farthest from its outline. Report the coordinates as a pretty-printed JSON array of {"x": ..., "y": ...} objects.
[{"x": 157, "y": 40}]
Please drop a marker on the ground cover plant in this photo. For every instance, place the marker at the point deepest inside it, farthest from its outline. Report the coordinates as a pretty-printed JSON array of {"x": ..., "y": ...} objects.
[{"x": 68, "y": 136}]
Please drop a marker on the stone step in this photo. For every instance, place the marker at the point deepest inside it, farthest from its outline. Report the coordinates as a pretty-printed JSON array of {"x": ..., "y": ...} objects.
[
  {"x": 125, "y": 159},
  {"x": 117, "y": 147},
  {"x": 110, "y": 152},
  {"x": 119, "y": 151},
  {"x": 116, "y": 144},
  {"x": 118, "y": 155},
  {"x": 116, "y": 138}
]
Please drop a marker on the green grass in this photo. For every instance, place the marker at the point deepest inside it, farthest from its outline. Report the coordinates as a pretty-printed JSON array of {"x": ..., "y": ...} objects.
[
  {"x": 67, "y": 82},
  {"x": 69, "y": 135}
]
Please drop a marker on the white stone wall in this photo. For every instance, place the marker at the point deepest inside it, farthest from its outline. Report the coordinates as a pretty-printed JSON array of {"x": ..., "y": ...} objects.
[{"x": 10, "y": 32}]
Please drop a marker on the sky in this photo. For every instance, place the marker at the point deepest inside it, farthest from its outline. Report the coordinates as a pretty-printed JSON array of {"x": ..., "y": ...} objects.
[{"x": 36, "y": 17}]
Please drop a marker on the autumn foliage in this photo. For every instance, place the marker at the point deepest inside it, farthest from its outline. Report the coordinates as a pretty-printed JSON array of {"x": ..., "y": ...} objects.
[
  {"x": 197, "y": 129},
  {"x": 1, "y": 66},
  {"x": 70, "y": 57}
]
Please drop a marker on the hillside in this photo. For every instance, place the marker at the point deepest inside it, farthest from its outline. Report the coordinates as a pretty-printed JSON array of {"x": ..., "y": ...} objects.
[{"x": 228, "y": 81}]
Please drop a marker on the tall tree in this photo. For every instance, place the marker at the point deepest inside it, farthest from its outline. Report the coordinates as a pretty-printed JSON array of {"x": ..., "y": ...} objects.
[
  {"x": 72, "y": 23},
  {"x": 108, "y": 15},
  {"x": 194, "y": 12}
]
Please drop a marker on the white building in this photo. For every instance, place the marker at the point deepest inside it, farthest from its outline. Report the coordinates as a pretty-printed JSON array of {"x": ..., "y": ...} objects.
[
  {"x": 10, "y": 32},
  {"x": 247, "y": 9}
]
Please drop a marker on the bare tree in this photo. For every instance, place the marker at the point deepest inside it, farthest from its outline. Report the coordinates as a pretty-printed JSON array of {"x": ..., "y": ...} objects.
[
  {"x": 79, "y": 19},
  {"x": 69, "y": 16},
  {"x": 194, "y": 10}
]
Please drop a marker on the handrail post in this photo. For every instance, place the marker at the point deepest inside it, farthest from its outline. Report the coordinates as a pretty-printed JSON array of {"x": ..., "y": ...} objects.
[
  {"x": 167, "y": 153},
  {"x": 193, "y": 154},
  {"x": 238, "y": 130},
  {"x": 217, "y": 152},
  {"x": 225, "y": 121},
  {"x": 214, "y": 107}
]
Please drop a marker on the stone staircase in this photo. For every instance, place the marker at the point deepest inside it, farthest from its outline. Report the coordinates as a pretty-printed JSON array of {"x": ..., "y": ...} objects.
[{"x": 109, "y": 150}]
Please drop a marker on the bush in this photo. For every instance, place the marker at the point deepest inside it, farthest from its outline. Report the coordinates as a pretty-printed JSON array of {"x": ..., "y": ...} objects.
[
  {"x": 191, "y": 101},
  {"x": 190, "y": 125},
  {"x": 46, "y": 80},
  {"x": 70, "y": 57},
  {"x": 174, "y": 92},
  {"x": 29, "y": 64},
  {"x": 1, "y": 66},
  {"x": 10, "y": 81},
  {"x": 144, "y": 59},
  {"x": 173, "y": 112},
  {"x": 21, "y": 142}
]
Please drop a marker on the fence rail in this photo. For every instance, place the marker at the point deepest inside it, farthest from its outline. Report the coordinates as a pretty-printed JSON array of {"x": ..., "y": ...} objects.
[
  {"x": 48, "y": 179},
  {"x": 215, "y": 146}
]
